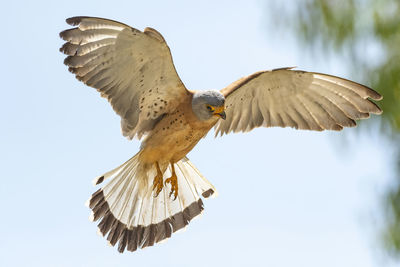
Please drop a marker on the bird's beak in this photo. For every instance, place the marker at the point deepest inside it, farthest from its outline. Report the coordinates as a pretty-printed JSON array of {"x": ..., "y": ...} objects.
[
  {"x": 222, "y": 115},
  {"x": 220, "y": 112}
]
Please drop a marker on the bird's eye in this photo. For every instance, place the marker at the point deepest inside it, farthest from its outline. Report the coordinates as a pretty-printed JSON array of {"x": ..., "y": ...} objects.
[{"x": 210, "y": 108}]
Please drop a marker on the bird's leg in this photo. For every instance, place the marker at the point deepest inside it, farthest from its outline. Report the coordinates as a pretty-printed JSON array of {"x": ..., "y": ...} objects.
[
  {"x": 158, "y": 181},
  {"x": 173, "y": 180}
]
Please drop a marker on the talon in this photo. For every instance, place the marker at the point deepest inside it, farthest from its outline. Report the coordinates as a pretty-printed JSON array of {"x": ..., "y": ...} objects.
[
  {"x": 158, "y": 182},
  {"x": 174, "y": 185},
  {"x": 157, "y": 185},
  {"x": 173, "y": 180}
]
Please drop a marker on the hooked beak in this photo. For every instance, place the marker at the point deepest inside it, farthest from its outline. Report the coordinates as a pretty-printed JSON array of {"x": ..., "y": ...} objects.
[{"x": 220, "y": 112}]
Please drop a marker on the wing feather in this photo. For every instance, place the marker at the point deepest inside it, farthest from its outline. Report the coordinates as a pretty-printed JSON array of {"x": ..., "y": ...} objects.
[
  {"x": 133, "y": 70},
  {"x": 329, "y": 106},
  {"x": 257, "y": 118},
  {"x": 298, "y": 99},
  {"x": 297, "y": 117},
  {"x": 304, "y": 110},
  {"x": 246, "y": 116},
  {"x": 349, "y": 95}
]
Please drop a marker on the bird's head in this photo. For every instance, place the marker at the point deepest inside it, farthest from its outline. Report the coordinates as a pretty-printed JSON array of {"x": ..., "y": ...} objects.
[{"x": 207, "y": 104}]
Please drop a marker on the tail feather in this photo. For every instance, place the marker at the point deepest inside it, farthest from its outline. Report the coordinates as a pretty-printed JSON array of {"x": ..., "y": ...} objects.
[
  {"x": 100, "y": 179},
  {"x": 129, "y": 213}
]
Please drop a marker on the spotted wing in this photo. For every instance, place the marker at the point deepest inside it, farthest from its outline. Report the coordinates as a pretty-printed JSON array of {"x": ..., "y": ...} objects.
[
  {"x": 298, "y": 99},
  {"x": 133, "y": 70}
]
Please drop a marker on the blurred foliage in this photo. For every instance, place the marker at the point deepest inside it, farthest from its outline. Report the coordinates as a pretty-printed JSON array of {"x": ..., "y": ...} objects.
[{"x": 366, "y": 35}]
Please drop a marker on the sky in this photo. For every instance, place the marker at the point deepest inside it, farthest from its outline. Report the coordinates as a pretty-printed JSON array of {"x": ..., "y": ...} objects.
[{"x": 286, "y": 197}]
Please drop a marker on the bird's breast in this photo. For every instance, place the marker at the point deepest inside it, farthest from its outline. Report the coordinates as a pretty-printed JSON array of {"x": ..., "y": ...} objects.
[{"x": 174, "y": 136}]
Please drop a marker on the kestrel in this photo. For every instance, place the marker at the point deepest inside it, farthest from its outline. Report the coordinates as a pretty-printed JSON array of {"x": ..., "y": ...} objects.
[{"x": 158, "y": 191}]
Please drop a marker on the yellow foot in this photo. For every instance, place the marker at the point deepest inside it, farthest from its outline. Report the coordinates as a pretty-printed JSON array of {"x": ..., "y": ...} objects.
[
  {"x": 157, "y": 185},
  {"x": 174, "y": 185},
  {"x": 158, "y": 182}
]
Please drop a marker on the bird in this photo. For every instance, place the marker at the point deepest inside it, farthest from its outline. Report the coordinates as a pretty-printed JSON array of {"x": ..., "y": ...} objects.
[{"x": 159, "y": 191}]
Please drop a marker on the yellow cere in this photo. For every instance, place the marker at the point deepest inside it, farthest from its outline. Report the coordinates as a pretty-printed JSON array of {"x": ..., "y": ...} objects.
[{"x": 218, "y": 110}]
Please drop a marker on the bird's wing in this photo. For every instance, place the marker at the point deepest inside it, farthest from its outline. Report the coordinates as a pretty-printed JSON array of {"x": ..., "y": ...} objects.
[
  {"x": 294, "y": 98},
  {"x": 132, "y": 69}
]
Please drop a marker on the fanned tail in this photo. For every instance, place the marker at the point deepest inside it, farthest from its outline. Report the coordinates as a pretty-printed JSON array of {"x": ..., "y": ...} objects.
[{"x": 129, "y": 213}]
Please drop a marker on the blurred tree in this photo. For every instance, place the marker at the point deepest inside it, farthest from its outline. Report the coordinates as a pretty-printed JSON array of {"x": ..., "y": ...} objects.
[{"x": 366, "y": 33}]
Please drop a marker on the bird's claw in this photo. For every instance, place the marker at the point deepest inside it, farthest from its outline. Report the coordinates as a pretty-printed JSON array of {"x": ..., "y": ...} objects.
[
  {"x": 174, "y": 185},
  {"x": 157, "y": 185}
]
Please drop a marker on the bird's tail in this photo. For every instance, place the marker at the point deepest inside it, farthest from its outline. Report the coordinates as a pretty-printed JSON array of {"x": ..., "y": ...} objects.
[{"x": 132, "y": 216}]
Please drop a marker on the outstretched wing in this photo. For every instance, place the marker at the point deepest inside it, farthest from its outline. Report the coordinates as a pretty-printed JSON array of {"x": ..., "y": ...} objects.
[
  {"x": 294, "y": 98},
  {"x": 132, "y": 69}
]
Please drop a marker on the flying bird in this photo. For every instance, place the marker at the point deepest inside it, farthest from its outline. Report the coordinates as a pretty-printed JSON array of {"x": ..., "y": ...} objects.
[{"x": 158, "y": 191}]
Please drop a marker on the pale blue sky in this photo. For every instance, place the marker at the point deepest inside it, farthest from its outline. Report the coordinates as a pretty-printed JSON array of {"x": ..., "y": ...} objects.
[{"x": 286, "y": 197}]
